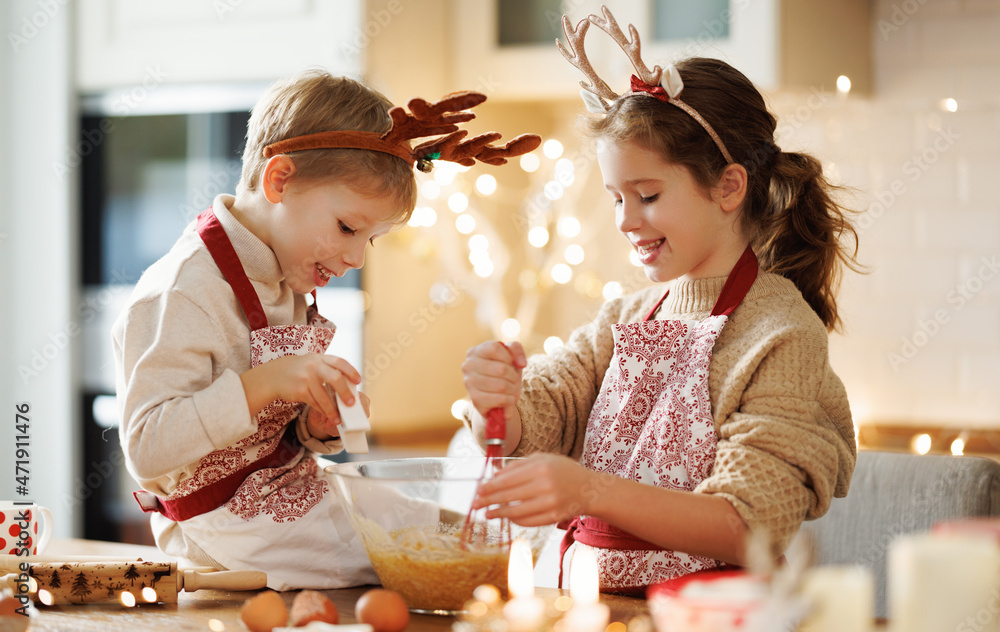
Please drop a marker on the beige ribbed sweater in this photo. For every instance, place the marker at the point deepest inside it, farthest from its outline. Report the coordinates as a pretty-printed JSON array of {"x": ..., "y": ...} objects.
[{"x": 786, "y": 441}]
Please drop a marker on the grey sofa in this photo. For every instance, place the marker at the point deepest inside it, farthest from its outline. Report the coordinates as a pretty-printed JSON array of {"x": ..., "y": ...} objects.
[{"x": 894, "y": 494}]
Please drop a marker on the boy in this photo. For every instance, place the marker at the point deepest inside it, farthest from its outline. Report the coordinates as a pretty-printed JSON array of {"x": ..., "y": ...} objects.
[{"x": 223, "y": 384}]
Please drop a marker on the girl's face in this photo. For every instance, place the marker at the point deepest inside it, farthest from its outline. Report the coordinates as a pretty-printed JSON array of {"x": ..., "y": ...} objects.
[
  {"x": 678, "y": 229},
  {"x": 321, "y": 230}
]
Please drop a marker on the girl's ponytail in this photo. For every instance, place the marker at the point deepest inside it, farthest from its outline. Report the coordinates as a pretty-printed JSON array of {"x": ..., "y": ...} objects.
[{"x": 801, "y": 234}]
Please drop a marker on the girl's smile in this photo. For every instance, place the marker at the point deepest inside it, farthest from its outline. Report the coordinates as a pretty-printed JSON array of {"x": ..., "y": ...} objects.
[{"x": 677, "y": 229}]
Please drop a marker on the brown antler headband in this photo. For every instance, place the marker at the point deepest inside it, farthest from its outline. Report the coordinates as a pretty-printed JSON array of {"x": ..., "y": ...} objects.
[
  {"x": 663, "y": 83},
  {"x": 425, "y": 119}
]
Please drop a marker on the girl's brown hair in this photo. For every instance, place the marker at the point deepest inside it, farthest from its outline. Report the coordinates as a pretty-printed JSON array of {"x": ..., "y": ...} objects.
[
  {"x": 316, "y": 101},
  {"x": 789, "y": 215}
]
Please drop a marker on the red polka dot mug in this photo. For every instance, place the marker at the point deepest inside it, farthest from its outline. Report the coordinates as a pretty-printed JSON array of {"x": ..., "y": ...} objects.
[{"x": 25, "y": 528}]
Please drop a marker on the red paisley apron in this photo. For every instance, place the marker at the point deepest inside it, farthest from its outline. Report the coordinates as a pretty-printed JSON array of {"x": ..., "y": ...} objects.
[
  {"x": 263, "y": 503},
  {"x": 652, "y": 423}
]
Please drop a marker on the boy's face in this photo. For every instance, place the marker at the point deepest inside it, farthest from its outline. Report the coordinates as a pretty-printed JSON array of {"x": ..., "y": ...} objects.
[{"x": 320, "y": 230}]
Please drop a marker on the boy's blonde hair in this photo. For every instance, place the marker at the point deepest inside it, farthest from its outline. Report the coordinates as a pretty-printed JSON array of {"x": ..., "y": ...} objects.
[{"x": 316, "y": 101}]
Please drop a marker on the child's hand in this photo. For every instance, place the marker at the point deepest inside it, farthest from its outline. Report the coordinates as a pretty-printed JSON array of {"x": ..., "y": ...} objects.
[
  {"x": 492, "y": 376},
  {"x": 322, "y": 427},
  {"x": 546, "y": 488},
  {"x": 301, "y": 378}
]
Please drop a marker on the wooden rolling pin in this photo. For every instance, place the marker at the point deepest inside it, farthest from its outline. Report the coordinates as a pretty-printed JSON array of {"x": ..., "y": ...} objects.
[{"x": 128, "y": 583}]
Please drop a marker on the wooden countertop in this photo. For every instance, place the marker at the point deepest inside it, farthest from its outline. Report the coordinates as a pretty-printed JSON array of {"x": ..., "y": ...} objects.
[{"x": 195, "y": 610}]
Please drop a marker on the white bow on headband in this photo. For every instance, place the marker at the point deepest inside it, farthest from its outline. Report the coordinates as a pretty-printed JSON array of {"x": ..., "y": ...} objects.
[{"x": 596, "y": 94}]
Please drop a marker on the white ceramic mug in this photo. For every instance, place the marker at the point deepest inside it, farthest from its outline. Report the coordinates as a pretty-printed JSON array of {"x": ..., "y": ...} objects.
[{"x": 24, "y": 527}]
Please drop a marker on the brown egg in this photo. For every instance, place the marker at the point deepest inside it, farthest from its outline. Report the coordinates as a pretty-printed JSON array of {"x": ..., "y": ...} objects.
[
  {"x": 264, "y": 611},
  {"x": 312, "y": 605},
  {"x": 9, "y": 606},
  {"x": 383, "y": 609}
]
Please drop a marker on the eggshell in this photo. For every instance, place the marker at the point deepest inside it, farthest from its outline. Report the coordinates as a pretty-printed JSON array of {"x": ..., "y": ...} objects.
[
  {"x": 312, "y": 605},
  {"x": 384, "y": 610},
  {"x": 264, "y": 611}
]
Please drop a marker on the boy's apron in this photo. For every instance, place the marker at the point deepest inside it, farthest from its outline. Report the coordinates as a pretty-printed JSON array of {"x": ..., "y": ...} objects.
[
  {"x": 652, "y": 423},
  {"x": 263, "y": 503}
]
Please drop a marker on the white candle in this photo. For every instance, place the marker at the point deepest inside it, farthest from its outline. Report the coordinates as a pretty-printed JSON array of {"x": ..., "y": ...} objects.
[
  {"x": 944, "y": 582},
  {"x": 842, "y": 598},
  {"x": 524, "y": 611},
  {"x": 587, "y": 613}
]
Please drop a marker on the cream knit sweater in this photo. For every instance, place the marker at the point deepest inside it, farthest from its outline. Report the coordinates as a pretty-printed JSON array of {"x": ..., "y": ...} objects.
[
  {"x": 180, "y": 347},
  {"x": 786, "y": 442}
]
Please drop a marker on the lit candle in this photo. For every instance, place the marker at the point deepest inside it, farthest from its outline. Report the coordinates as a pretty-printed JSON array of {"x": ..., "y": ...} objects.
[
  {"x": 587, "y": 613},
  {"x": 939, "y": 582},
  {"x": 524, "y": 611}
]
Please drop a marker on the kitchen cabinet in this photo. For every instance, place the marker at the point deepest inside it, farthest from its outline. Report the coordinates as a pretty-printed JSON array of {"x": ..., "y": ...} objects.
[
  {"x": 139, "y": 46},
  {"x": 778, "y": 44}
]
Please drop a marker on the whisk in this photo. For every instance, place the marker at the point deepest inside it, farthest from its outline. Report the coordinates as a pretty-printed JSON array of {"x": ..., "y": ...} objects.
[{"x": 496, "y": 434}]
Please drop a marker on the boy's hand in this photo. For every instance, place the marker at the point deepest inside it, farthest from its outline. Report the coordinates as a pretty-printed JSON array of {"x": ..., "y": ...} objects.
[
  {"x": 301, "y": 378},
  {"x": 492, "y": 376},
  {"x": 323, "y": 427}
]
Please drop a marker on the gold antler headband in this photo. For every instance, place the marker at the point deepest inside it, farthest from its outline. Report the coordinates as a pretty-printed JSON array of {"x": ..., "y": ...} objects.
[
  {"x": 663, "y": 83},
  {"x": 425, "y": 119}
]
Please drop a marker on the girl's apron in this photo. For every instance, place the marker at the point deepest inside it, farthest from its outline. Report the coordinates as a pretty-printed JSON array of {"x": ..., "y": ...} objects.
[
  {"x": 652, "y": 423},
  {"x": 263, "y": 503}
]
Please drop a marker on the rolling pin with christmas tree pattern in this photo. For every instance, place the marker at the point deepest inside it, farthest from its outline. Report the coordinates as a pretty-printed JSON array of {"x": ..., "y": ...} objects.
[{"x": 128, "y": 583}]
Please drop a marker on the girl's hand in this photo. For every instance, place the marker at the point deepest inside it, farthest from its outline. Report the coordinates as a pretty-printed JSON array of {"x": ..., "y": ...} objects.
[
  {"x": 323, "y": 427},
  {"x": 542, "y": 489},
  {"x": 492, "y": 376},
  {"x": 301, "y": 378}
]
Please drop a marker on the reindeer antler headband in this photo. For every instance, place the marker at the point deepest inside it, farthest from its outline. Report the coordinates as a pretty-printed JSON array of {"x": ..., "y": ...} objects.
[
  {"x": 425, "y": 119},
  {"x": 663, "y": 83}
]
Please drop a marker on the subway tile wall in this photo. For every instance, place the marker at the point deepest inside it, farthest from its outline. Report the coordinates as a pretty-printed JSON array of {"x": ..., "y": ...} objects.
[{"x": 922, "y": 338}]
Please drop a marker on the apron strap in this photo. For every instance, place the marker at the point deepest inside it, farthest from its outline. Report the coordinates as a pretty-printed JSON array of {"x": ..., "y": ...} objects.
[
  {"x": 218, "y": 493},
  {"x": 657, "y": 306},
  {"x": 737, "y": 284},
  {"x": 598, "y": 533},
  {"x": 211, "y": 232}
]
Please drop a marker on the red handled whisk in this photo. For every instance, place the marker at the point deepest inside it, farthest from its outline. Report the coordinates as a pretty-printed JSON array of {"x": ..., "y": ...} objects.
[{"x": 496, "y": 434}]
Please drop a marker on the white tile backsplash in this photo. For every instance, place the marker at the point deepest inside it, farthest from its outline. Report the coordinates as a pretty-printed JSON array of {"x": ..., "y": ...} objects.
[{"x": 931, "y": 232}]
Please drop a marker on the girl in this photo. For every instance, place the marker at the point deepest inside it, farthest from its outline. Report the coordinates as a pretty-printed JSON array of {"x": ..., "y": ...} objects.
[{"x": 679, "y": 421}]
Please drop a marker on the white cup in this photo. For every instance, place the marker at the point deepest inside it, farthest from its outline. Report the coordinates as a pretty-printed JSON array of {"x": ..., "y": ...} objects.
[{"x": 24, "y": 527}]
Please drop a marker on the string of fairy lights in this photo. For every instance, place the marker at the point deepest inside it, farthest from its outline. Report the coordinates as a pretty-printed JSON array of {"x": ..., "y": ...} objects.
[
  {"x": 555, "y": 248},
  {"x": 456, "y": 217}
]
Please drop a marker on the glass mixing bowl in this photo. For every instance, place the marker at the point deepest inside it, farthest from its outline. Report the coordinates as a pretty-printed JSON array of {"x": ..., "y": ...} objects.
[{"x": 409, "y": 515}]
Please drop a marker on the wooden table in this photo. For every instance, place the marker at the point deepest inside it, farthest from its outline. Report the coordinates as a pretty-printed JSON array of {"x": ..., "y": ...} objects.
[{"x": 195, "y": 610}]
